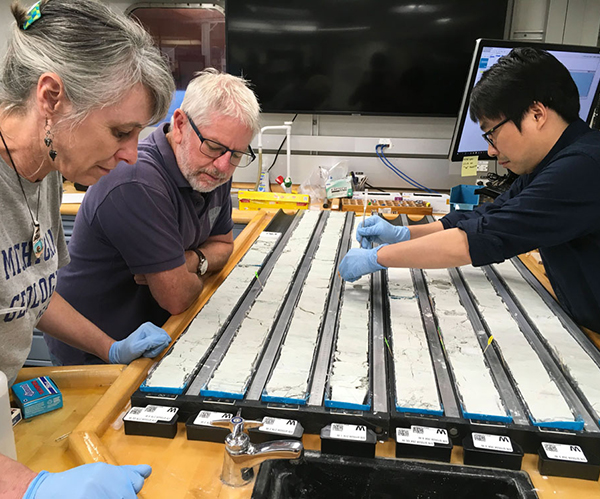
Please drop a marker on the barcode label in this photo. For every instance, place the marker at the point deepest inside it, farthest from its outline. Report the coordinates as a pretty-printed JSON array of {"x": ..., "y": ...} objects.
[
  {"x": 278, "y": 425},
  {"x": 150, "y": 414},
  {"x": 205, "y": 418},
  {"x": 422, "y": 435},
  {"x": 349, "y": 432},
  {"x": 565, "y": 452},
  {"x": 138, "y": 414},
  {"x": 161, "y": 413},
  {"x": 405, "y": 436},
  {"x": 492, "y": 442},
  {"x": 435, "y": 435}
]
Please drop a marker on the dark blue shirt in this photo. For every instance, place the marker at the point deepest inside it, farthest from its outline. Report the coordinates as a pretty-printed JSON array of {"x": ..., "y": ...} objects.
[
  {"x": 139, "y": 219},
  {"x": 556, "y": 208}
]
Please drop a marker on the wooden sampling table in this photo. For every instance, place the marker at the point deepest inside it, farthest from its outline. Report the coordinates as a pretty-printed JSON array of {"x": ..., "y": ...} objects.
[{"x": 89, "y": 427}]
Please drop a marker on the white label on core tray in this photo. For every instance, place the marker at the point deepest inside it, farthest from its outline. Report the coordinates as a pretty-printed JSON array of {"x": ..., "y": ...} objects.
[
  {"x": 278, "y": 425},
  {"x": 205, "y": 418},
  {"x": 492, "y": 442},
  {"x": 564, "y": 452},
  {"x": 349, "y": 432}
]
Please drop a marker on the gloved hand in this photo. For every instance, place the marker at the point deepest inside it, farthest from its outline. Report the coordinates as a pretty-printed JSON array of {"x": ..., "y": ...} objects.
[
  {"x": 377, "y": 230},
  {"x": 147, "y": 340},
  {"x": 359, "y": 262},
  {"x": 90, "y": 481}
]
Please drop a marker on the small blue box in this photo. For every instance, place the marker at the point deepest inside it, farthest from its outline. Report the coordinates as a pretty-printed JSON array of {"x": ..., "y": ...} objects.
[
  {"x": 463, "y": 198},
  {"x": 37, "y": 396}
]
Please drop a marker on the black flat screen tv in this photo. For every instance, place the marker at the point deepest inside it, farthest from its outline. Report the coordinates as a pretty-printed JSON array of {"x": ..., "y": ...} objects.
[{"x": 374, "y": 57}]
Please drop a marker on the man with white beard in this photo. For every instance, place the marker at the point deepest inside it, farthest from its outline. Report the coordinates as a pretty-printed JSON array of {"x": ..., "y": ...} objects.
[{"x": 147, "y": 234}]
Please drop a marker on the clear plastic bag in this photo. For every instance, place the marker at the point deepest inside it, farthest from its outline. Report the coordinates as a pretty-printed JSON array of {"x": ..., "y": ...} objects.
[
  {"x": 314, "y": 185},
  {"x": 339, "y": 170}
]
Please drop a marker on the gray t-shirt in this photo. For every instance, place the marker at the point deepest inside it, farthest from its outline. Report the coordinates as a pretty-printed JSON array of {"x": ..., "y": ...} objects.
[{"x": 26, "y": 283}]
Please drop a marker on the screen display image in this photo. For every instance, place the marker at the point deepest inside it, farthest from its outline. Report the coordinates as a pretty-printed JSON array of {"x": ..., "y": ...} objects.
[
  {"x": 384, "y": 57},
  {"x": 582, "y": 62}
]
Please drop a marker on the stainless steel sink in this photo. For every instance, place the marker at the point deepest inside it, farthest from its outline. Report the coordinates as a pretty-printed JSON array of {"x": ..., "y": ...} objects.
[{"x": 326, "y": 476}]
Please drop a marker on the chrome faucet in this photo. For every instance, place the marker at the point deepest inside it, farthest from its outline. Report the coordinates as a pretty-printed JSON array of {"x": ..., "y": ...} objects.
[{"x": 241, "y": 455}]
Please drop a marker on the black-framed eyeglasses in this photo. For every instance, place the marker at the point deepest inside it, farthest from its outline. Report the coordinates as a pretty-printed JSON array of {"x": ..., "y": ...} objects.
[
  {"x": 488, "y": 135},
  {"x": 214, "y": 150}
]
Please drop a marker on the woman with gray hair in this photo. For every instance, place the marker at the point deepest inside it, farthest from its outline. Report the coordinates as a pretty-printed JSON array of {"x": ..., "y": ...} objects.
[{"x": 78, "y": 83}]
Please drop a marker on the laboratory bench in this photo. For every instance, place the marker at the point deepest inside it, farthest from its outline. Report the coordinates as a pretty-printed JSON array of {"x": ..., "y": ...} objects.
[{"x": 89, "y": 427}]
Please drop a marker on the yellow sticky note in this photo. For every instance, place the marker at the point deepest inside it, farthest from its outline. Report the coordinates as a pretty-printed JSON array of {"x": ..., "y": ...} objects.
[{"x": 469, "y": 166}]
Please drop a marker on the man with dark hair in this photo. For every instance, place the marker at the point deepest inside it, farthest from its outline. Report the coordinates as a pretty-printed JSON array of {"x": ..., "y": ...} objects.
[
  {"x": 523, "y": 77},
  {"x": 527, "y": 105}
]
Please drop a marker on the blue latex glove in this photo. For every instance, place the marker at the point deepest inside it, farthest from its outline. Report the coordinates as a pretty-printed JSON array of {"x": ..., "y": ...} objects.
[
  {"x": 359, "y": 262},
  {"x": 90, "y": 481},
  {"x": 147, "y": 340},
  {"x": 377, "y": 230}
]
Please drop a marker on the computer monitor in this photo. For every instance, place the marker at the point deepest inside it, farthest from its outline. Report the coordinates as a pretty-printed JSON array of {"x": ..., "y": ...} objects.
[{"x": 582, "y": 62}]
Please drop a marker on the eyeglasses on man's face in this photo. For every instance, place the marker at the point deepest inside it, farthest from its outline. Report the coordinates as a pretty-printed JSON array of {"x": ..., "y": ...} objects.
[
  {"x": 488, "y": 135},
  {"x": 214, "y": 150}
]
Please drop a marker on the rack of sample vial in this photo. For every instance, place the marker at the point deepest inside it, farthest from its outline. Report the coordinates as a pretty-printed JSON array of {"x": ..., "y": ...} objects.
[
  {"x": 488, "y": 349},
  {"x": 284, "y": 336}
]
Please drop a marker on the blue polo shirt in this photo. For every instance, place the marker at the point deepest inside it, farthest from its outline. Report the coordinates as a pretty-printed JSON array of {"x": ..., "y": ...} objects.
[
  {"x": 556, "y": 208},
  {"x": 139, "y": 219}
]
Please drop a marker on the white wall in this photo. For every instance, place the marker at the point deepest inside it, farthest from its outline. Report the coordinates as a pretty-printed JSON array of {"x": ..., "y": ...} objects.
[
  {"x": 583, "y": 20},
  {"x": 5, "y": 20},
  {"x": 420, "y": 145}
]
